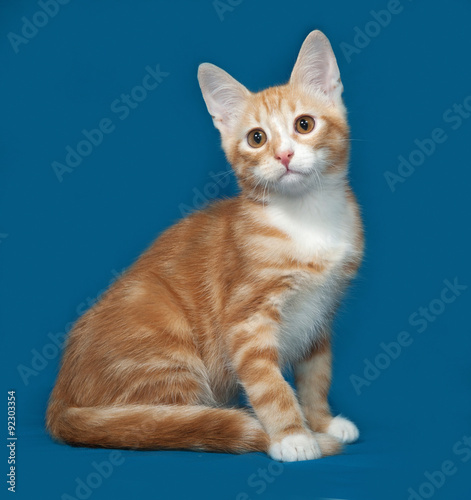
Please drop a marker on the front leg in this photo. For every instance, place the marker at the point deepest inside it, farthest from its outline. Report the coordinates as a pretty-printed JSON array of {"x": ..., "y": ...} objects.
[
  {"x": 254, "y": 353},
  {"x": 313, "y": 376}
]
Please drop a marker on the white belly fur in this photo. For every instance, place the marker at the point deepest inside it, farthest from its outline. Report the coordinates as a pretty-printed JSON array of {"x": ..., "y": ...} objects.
[{"x": 321, "y": 228}]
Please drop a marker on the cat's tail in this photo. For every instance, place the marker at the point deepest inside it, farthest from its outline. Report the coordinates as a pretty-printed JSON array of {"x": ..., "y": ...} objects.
[
  {"x": 158, "y": 427},
  {"x": 165, "y": 427}
]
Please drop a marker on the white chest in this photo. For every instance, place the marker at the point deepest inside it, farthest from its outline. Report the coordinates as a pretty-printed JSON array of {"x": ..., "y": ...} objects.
[
  {"x": 306, "y": 315},
  {"x": 320, "y": 229}
]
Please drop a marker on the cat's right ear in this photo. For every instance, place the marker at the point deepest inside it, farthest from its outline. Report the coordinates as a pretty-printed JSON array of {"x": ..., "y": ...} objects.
[{"x": 225, "y": 97}]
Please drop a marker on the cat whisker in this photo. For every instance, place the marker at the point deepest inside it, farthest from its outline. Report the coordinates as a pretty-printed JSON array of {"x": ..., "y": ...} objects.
[
  {"x": 223, "y": 176},
  {"x": 349, "y": 140},
  {"x": 264, "y": 189},
  {"x": 256, "y": 185},
  {"x": 224, "y": 172}
]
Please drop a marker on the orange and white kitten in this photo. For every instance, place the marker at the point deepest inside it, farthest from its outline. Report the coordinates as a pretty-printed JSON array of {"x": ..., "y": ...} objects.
[{"x": 231, "y": 295}]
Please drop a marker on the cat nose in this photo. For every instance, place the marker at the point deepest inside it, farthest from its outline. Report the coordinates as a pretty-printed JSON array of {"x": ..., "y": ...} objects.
[{"x": 284, "y": 157}]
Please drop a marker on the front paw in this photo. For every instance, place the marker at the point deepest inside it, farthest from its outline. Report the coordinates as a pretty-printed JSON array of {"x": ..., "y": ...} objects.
[
  {"x": 342, "y": 429},
  {"x": 294, "y": 448}
]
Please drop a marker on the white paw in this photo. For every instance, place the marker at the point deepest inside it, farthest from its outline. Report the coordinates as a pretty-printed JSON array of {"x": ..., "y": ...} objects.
[
  {"x": 342, "y": 429},
  {"x": 294, "y": 448}
]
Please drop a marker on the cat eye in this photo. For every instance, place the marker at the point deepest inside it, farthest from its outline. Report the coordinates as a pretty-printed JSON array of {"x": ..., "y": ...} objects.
[
  {"x": 304, "y": 124},
  {"x": 256, "y": 138}
]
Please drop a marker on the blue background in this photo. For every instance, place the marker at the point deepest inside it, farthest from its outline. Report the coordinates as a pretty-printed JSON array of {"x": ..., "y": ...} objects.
[{"x": 61, "y": 243}]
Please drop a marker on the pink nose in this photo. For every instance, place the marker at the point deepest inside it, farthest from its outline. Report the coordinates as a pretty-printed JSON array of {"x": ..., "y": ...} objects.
[{"x": 284, "y": 157}]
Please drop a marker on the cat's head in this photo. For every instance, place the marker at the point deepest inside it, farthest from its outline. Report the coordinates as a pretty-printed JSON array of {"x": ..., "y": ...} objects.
[{"x": 287, "y": 139}]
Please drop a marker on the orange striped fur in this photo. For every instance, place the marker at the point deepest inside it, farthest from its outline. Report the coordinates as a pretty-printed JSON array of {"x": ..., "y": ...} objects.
[{"x": 231, "y": 295}]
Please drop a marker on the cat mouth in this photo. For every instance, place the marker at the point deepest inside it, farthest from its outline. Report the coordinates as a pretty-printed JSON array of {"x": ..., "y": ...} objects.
[{"x": 292, "y": 173}]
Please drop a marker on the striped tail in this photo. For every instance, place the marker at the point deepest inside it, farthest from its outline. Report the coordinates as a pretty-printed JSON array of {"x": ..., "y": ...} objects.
[
  {"x": 165, "y": 428},
  {"x": 158, "y": 427}
]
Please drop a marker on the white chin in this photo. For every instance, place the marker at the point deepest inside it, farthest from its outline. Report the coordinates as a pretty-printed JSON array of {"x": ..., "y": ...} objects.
[{"x": 293, "y": 183}]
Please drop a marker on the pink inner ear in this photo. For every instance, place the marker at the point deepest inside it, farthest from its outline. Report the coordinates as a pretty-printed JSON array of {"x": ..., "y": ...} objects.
[
  {"x": 224, "y": 96},
  {"x": 316, "y": 67}
]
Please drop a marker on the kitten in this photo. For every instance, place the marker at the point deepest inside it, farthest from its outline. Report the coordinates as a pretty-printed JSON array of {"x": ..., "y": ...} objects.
[{"x": 233, "y": 293}]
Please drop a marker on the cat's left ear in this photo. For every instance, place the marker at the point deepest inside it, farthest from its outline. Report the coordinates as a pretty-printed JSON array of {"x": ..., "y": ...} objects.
[
  {"x": 225, "y": 97},
  {"x": 316, "y": 68}
]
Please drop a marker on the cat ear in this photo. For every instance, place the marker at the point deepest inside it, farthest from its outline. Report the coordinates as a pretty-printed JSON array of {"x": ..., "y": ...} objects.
[
  {"x": 225, "y": 97},
  {"x": 316, "y": 67}
]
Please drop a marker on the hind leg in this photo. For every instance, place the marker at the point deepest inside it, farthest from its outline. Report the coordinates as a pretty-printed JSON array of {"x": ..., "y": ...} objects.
[
  {"x": 155, "y": 360},
  {"x": 172, "y": 374},
  {"x": 313, "y": 377}
]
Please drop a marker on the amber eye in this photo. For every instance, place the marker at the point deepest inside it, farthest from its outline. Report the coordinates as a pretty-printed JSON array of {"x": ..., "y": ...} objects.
[
  {"x": 256, "y": 138},
  {"x": 304, "y": 124}
]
